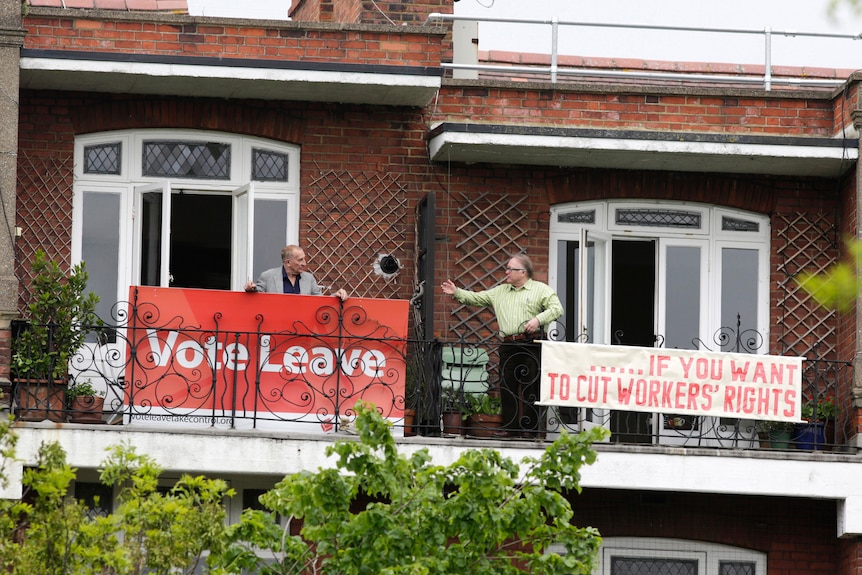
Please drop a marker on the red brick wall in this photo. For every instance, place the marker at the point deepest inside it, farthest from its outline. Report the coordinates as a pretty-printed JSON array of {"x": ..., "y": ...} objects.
[
  {"x": 184, "y": 36},
  {"x": 847, "y": 227},
  {"x": 311, "y": 10},
  {"x": 849, "y": 557},
  {"x": 367, "y": 12},
  {"x": 333, "y": 137},
  {"x": 797, "y": 535},
  {"x": 570, "y": 107}
]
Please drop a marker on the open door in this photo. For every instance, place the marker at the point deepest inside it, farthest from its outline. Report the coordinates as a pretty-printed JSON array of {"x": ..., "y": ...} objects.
[
  {"x": 243, "y": 224},
  {"x": 153, "y": 209},
  {"x": 185, "y": 237}
]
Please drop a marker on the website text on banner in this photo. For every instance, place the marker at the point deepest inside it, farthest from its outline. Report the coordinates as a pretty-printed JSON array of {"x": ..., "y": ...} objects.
[
  {"x": 765, "y": 387},
  {"x": 238, "y": 357}
]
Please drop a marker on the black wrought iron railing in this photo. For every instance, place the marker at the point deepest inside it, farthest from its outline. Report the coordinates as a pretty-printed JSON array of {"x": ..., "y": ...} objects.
[{"x": 163, "y": 371}]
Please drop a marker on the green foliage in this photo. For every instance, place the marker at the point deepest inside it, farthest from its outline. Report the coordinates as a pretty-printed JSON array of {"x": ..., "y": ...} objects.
[
  {"x": 82, "y": 389},
  {"x": 823, "y": 409},
  {"x": 838, "y": 287},
  {"x": 774, "y": 426},
  {"x": 50, "y": 533},
  {"x": 60, "y": 315},
  {"x": 453, "y": 400},
  {"x": 483, "y": 404},
  {"x": 481, "y": 515}
]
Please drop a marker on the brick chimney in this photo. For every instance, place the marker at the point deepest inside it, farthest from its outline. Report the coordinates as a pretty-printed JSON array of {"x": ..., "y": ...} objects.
[{"x": 410, "y": 12}]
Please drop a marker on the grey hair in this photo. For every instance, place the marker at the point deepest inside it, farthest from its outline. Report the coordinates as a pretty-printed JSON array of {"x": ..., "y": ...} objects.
[
  {"x": 288, "y": 251},
  {"x": 525, "y": 262}
]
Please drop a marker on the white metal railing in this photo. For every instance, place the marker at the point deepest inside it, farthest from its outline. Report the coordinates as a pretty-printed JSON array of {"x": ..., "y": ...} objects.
[{"x": 554, "y": 70}]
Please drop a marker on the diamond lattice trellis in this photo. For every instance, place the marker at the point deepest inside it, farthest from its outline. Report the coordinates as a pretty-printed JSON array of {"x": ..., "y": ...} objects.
[
  {"x": 805, "y": 242},
  {"x": 491, "y": 231},
  {"x": 352, "y": 219},
  {"x": 44, "y": 212}
]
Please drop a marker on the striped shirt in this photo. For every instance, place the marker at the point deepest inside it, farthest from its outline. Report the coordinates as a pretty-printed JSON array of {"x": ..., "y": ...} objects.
[{"x": 514, "y": 307}]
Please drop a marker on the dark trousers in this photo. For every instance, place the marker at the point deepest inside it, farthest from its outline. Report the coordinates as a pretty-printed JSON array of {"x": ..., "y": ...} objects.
[{"x": 519, "y": 373}]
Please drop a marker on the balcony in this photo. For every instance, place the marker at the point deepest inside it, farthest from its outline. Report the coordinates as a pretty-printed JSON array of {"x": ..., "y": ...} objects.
[{"x": 428, "y": 389}]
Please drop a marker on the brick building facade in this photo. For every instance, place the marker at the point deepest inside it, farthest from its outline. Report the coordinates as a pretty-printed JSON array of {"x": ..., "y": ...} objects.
[{"x": 378, "y": 125}]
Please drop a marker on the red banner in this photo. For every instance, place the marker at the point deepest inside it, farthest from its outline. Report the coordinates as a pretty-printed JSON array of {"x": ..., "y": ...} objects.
[{"x": 208, "y": 357}]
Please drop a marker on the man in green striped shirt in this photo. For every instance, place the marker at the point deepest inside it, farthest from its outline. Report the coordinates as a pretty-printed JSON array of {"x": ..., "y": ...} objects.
[{"x": 524, "y": 307}]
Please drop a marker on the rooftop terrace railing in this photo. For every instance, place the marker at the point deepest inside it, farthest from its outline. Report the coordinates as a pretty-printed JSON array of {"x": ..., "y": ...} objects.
[{"x": 554, "y": 70}]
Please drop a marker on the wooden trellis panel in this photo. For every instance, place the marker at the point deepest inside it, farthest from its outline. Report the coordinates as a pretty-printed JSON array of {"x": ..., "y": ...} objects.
[
  {"x": 492, "y": 229},
  {"x": 353, "y": 218},
  {"x": 44, "y": 210},
  {"x": 805, "y": 242}
]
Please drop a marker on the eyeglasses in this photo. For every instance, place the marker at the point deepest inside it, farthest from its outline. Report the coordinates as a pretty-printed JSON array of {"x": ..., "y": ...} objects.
[{"x": 508, "y": 269}]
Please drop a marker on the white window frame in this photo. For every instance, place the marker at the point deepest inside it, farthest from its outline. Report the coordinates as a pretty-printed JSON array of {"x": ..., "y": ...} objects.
[
  {"x": 708, "y": 555},
  {"x": 130, "y": 177},
  {"x": 710, "y": 238},
  {"x": 711, "y": 216}
]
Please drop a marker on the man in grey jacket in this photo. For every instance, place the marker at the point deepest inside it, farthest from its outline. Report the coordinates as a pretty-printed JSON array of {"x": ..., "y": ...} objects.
[{"x": 290, "y": 277}]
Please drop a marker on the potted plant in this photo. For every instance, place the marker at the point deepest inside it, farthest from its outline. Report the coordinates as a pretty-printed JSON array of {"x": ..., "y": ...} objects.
[
  {"x": 811, "y": 435},
  {"x": 60, "y": 315},
  {"x": 452, "y": 411},
  {"x": 774, "y": 434},
  {"x": 485, "y": 415},
  {"x": 85, "y": 403}
]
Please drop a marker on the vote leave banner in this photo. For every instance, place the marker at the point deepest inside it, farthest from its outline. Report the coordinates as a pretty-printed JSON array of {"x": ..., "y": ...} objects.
[
  {"x": 207, "y": 358},
  {"x": 674, "y": 381}
]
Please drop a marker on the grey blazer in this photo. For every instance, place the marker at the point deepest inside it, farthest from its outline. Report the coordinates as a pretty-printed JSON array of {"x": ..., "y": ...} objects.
[{"x": 271, "y": 281}]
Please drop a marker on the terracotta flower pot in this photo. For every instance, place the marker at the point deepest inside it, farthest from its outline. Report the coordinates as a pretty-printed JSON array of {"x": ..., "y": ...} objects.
[
  {"x": 452, "y": 423},
  {"x": 87, "y": 409},
  {"x": 409, "y": 419},
  {"x": 484, "y": 424}
]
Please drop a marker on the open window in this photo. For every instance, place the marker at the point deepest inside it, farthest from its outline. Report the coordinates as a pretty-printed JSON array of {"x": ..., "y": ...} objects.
[
  {"x": 183, "y": 209},
  {"x": 176, "y": 208},
  {"x": 660, "y": 274}
]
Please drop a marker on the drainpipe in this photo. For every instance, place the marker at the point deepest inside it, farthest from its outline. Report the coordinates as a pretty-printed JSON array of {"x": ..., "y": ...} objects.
[
  {"x": 11, "y": 41},
  {"x": 855, "y": 105}
]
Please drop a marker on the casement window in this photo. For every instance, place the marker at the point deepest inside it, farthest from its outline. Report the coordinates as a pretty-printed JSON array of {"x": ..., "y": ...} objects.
[
  {"x": 659, "y": 274},
  {"x": 181, "y": 208},
  {"x": 655, "y": 556}
]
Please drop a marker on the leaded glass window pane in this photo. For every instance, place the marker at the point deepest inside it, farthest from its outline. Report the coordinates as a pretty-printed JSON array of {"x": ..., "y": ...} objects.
[
  {"x": 738, "y": 225},
  {"x": 268, "y": 166},
  {"x": 646, "y": 566},
  {"x": 209, "y": 160},
  {"x": 103, "y": 159},
  {"x": 658, "y": 218},
  {"x": 584, "y": 217},
  {"x": 736, "y": 568}
]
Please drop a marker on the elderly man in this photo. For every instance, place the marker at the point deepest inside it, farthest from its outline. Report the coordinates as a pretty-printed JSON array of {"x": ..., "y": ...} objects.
[
  {"x": 523, "y": 307},
  {"x": 290, "y": 277}
]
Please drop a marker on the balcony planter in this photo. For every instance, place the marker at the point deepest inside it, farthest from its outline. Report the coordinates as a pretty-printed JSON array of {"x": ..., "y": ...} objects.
[
  {"x": 40, "y": 399},
  {"x": 60, "y": 316},
  {"x": 780, "y": 439},
  {"x": 409, "y": 420},
  {"x": 85, "y": 403},
  {"x": 485, "y": 418},
  {"x": 484, "y": 424},
  {"x": 809, "y": 436},
  {"x": 452, "y": 422},
  {"x": 774, "y": 434}
]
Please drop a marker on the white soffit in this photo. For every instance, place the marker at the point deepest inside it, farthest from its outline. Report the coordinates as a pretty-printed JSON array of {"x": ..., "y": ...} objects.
[
  {"x": 818, "y": 157},
  {"x": 267, "y": 83}
]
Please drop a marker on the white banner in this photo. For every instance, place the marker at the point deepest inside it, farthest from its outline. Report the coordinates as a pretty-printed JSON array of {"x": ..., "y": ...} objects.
[{"x": 738, "y": 385}]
